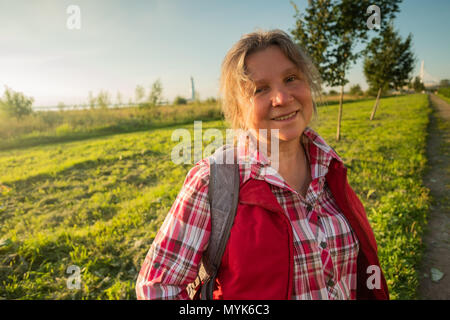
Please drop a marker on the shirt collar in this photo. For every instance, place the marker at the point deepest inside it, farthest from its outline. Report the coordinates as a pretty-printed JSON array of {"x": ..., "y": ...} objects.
[{"x": 319, "y": 153}]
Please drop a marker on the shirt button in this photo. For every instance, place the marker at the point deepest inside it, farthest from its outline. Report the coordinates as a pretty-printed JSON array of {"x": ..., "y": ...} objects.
[
  {"x": 323, "y": 244},
  {"x": 330, "y": 283},
  {"x": 156, "y": 265},
  {"x": 308, "y": 207}
]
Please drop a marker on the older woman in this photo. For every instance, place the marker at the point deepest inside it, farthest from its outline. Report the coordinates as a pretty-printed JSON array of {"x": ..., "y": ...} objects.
[{"x": 300, "y": 232}]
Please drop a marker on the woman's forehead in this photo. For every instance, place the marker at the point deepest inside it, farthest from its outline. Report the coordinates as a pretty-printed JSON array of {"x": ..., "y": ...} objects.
[
  {"x": 282, "y": 73},
  {"x": 268, "y": 62}
]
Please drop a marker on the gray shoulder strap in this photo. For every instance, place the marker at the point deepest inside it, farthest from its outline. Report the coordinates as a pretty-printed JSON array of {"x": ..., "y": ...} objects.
[{"x": 223, "y": 194}]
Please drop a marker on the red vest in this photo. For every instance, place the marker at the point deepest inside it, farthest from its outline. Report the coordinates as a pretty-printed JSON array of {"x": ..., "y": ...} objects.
[{"x": 258, "y": 259}]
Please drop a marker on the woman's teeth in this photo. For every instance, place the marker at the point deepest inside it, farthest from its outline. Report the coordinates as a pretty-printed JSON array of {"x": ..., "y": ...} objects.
[{"x": 287, "y": 116}]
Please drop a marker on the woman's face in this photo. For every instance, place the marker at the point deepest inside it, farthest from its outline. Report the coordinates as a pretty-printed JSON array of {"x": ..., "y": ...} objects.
[{"x": 281, "y": 91}]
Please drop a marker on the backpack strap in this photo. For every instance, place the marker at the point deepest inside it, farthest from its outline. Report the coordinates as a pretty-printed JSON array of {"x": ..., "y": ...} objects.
[{"x": 223, "y": 195}]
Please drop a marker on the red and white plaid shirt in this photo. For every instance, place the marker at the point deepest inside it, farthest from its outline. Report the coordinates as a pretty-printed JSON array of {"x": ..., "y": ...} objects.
[{"x": 325, "y": 247}]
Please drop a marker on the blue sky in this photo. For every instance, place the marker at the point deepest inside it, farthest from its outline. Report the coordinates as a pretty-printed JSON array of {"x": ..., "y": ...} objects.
[{"x": 125, "y": 43}]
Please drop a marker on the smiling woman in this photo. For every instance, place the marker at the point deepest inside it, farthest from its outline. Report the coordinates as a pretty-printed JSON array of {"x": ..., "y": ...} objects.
[{"x": 299, "y": 232}]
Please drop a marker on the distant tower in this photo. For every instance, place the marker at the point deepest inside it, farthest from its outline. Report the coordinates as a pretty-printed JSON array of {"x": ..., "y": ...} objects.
[
  {"x": 192, "y": 89},
  {"x": 422, "y": 71}
]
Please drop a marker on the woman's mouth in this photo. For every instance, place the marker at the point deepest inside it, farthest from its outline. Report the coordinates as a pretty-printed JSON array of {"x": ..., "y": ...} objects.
[{"x": 287, "y": 117}]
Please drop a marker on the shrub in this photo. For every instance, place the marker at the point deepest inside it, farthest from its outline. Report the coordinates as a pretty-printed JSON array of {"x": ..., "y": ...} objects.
[
  {"x": 445, "y": 92},
  {"x": 356, "y": 90},
  {"x": 16, "y": 104},
  {"x": 332, "y": 92},
  {"x": 180, "y": 100}
]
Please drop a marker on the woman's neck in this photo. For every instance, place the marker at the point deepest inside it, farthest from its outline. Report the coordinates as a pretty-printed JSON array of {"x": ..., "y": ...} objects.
[{"x": 291, "y": 155}]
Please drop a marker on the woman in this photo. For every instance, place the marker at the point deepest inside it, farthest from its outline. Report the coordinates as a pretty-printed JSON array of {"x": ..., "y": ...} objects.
[{"x": 300, "y": 232}]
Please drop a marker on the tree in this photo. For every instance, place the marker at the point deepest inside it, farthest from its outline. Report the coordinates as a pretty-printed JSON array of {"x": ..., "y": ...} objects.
[
  {"x": 180, "y": 100},
  {"x": 61, "y": 106},
  {"x": 356, "y": 90},
  {"x": 119, "y": 99},
  {"x": 91, "y": 100},
  {"x": 139, "y": 93},
  {"x": 417, "y": 85},
  {"x": 155, "y": 96},
  {"x": 103, "y": 99},
  {"x": 388, "y": 62},
  {"x": 16, "y": 104},
  {"x": 332, "y": 92},
  {"x": 330, "y": 30}
]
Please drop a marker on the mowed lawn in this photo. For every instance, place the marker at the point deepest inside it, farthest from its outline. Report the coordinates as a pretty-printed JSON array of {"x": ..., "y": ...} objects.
[{"x": 98, "y": 203}]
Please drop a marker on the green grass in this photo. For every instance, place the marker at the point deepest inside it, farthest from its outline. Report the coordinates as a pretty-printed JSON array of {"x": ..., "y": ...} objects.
[
  {"x": 446, "y": 99},
  {"x": 98, "y": 203},
  {"x": 50, "y": 127},
  {"x": 444, "y": 94},
  {"x": 386, "y": 161}
]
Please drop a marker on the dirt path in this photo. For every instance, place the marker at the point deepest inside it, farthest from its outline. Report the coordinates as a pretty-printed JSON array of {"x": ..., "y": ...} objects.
[{"x": 437, "y": 179}]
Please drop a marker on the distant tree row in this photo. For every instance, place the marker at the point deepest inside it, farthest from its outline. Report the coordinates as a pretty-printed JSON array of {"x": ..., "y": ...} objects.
[{"x": 16, "y": 104}]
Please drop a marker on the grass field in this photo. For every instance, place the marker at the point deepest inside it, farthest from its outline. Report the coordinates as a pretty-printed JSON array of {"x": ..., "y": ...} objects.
[
  {"x": 97, "y": 203},
  {"x": 72, "y": 125}
]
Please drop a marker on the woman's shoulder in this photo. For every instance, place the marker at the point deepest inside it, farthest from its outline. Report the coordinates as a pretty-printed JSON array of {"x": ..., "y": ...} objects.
[{"x": 198, "y": 175}]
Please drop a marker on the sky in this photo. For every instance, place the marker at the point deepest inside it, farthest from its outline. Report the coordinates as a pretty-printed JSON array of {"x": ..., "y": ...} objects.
[{"x": 122, "y": 44}]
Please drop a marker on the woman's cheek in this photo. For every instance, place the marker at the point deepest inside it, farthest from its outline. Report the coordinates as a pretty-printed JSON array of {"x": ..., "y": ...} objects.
[{"x": 260, "y": 112}]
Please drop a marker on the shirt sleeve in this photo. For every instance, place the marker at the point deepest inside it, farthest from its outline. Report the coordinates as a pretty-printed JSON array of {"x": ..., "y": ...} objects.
[{"x": 175, "y": 254}]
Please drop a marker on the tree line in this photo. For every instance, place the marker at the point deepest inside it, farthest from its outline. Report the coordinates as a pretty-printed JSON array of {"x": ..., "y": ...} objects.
[{"x": 16, "y": 104}]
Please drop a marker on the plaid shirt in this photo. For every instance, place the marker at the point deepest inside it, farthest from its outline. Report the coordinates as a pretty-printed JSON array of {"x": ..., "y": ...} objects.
[{"x": 325, "y": 247}]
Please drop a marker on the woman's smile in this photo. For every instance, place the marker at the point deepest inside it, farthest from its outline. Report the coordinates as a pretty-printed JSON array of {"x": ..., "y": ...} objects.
[{"x": 286, "y": 118}]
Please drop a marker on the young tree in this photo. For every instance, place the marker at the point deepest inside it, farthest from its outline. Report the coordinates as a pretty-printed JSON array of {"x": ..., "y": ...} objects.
[
  {"x": 16, "y": 104},
  {"x": 155, "y": 96},
  {"x": 388, "y": 62},
  {"x": 418, "y": 85},
  {"x": 91, "y": 100},
  {"x": 103, "y": 99},
  {"x": 119, "y": 99},
  {"x": 330, "y": 30},
  {"x": 139, "y": 93},
  {"x": 356, "y": 90}
]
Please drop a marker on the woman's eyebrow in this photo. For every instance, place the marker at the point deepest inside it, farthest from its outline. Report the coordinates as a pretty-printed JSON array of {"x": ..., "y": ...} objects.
[{"x": 286, "y": 71}]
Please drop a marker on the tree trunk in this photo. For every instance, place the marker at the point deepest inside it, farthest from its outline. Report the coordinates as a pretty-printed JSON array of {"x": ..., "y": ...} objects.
[
  {"x": 376, "y": 104},
  {"x": 341, "y": 99}
]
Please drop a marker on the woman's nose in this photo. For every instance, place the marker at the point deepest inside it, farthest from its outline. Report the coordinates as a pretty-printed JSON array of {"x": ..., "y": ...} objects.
[{"x": 281, "y": 97}]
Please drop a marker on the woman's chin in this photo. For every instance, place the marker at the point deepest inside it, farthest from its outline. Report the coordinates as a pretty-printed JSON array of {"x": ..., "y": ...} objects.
[{"x": 286, "y": 135}]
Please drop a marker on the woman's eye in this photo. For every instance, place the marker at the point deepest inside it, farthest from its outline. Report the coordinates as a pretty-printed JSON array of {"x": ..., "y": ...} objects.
[
  {"x": 258, "y": 90},
  {"x": 291, "y": 78}
]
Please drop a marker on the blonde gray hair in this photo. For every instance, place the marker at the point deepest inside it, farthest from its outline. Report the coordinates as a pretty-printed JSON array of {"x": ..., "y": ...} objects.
[{"x": 235, "y": 83}]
